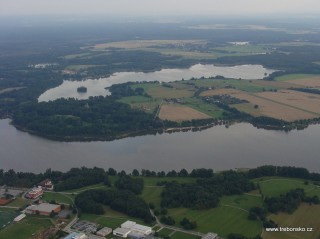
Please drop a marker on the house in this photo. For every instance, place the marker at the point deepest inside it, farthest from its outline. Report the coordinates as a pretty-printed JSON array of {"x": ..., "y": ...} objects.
[
  {"x": 35, "y": 193},
  {"x": 46, "y": 185},
  {"x": 43, "y": 209},
  {"x": 104, "y": 231},
  {"x": 121, "y": 232}
]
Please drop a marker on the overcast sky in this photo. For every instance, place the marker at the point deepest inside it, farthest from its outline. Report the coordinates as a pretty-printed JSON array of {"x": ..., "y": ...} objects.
[{"x": 156, "y": 7}]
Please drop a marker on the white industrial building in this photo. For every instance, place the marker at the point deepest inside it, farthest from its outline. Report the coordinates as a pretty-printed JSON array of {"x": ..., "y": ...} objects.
[
  {"x": 104, "y": 231},
  {"x": 121, "y": 232},
  {"x": 137, "y": 228},
  {"x": 19, "y": 218},
  {"x": 133, "y": 230}
]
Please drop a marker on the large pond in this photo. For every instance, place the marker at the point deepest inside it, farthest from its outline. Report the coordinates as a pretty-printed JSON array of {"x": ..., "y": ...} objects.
[
  {"x": 239, "y": 146},
  {"x": 96, "y": 87}
]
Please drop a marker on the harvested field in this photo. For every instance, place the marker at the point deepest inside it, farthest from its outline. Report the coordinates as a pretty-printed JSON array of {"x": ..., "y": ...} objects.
[
  {"x": 305, "y": 216},
  {"x": 307, "y": 82},
  {"x": 180, "y": 113},
  {"x": 134, "y": 44},
  {"x": 268, "y": 106},
  {"x": 302, "y": 100},
  {"x": 219, "y": 92}
]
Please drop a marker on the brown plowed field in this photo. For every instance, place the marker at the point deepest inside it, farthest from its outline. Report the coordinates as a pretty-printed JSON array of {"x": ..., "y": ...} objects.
[
  {"x": 275, "y": 110},
  {"x": 180, "y": 113},
  {"x": 304, "y": 101}
]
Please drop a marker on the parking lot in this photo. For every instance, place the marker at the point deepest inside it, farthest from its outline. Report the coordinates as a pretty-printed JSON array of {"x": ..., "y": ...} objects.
[{"x": 85, "y": 226}]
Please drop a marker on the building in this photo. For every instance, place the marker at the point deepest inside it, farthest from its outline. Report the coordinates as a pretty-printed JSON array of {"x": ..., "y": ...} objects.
[
  {"x": 76, "y": 235},
  {"x": 137, "y": 229},
  {"x": 35, "y": 193},
  {"x": 210, "y": 235},
  {"x": 121, "y": 232},
  {"x": 46, "y": 185},
  {"x": 43, "y": 209},
  {"x": 104, "y": 231},
  {"x": 19, "y": 218}
]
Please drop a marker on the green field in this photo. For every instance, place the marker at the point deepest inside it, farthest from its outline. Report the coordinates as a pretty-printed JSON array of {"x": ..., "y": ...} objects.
[
  {"x": 165, "y": 232},
  {"x": 152, "y": 195},
  {"x": 208, "y": 109},
  {"x": 58, "y": 197},
  {"x": 244, "y": 85},
  {"x": 222, "y": 220},
  {"x": 6, "y": 217},
  {"x": 19, "y": 202},
  {"x": 294, "y": 77},
  {"x": 25, "y": 229},
  {"x": 277, "y": 186},
  {"x": 140, "y": 102},
  {"x": 244, "y": 202}
]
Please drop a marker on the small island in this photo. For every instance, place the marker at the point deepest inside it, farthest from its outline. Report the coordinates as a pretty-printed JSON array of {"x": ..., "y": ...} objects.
[{"x": 82, "y": 89}]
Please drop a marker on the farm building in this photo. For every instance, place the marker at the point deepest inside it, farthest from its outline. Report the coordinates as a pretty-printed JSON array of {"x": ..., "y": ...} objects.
[
  {"x": 104, "y": 231},
  {"x": 121, "y": 232},
  {"x": 46, "y": 185},
  {"x": 35, "y": 193},
  {"x": 43, "y": 209},
  {"x": 76, "y": 235}
]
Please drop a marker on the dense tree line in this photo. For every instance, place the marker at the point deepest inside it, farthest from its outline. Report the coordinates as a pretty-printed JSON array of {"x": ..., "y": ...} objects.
[
  {"x": 307, "y": 90},
  {"x": 124, "y": 201},
  {"x": 206, "y": 192},
  {"x": 128, "y": 183},
  {"x": 283, "y": 171},
  {"x": 98, "y": 117},
  {"x": 77, "y": 178},
  {"x": 187, "y": 224},
  {"x": 288, "y": 202},
  {"x": 74, "y": 178}
]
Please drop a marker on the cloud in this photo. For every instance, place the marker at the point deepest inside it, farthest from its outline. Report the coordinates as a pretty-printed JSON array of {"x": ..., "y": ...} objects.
[{"x": 155, "y": 7}]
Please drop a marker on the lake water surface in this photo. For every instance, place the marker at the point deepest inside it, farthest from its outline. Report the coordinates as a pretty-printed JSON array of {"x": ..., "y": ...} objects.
[
  {"x": 96, "y": 87},
  {"x": 240, "y": 146}
]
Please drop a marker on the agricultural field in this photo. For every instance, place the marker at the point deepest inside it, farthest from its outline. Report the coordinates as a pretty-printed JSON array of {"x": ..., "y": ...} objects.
[
  {"x": 276, "y": 186},
  {"x": 180, "y": 113},
  {"x": 26, "y": 228},
  {"x": 305, "y": 216},
  {"x": 274, "y": 99},
  {"x": 142, "y": 103},
  {"x": 222, "y": 220},
  {"x": 58, "y": 197},
  {"x": 299, "y": 100}
]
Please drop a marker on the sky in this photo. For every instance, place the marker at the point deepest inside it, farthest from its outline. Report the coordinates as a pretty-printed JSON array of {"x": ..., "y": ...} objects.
[{"x": 157, "y": 7}]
